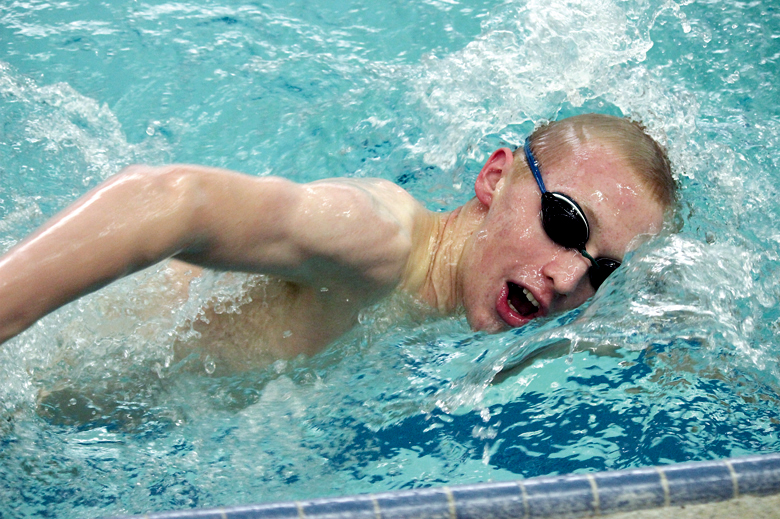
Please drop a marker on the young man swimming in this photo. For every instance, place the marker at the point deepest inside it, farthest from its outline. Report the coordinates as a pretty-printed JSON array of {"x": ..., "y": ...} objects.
[{"x": 548, "y": 223}]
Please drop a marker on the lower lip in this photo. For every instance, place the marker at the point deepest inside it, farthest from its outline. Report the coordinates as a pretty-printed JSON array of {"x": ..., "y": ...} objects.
[{"x": 505, "y": 312}]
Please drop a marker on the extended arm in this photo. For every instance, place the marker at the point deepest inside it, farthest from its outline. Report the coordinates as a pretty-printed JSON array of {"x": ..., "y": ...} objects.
[{"x": 305, "y": 233}]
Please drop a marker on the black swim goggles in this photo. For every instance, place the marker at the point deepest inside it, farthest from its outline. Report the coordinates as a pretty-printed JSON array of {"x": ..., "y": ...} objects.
[{"x": 564, "y": 222}]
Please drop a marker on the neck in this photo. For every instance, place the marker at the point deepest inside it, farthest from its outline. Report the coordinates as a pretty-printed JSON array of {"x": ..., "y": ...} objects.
[{"x": 432, "y": 274}]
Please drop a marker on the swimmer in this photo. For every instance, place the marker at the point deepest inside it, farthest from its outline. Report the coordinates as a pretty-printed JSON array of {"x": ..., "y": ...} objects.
[{"x": 549, "y": 222}]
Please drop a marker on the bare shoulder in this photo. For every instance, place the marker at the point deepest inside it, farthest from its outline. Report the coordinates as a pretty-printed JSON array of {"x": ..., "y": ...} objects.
[
  {"x": 367, "y": 224},
  {"x": 380, "y": 198}
]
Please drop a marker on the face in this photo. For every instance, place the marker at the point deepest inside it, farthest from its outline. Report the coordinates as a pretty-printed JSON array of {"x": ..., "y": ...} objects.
[{"x": 511, "y": 272}]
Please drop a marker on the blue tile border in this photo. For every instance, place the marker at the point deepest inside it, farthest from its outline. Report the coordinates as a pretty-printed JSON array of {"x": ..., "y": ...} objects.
[
  {"x": 574, "y": 495},
  {"x": 569, "y": 496},
  {"x": 624, "y": 491},
  {"x": 493, "y": 500}
]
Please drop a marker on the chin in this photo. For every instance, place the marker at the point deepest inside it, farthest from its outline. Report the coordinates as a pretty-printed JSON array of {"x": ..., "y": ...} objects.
[{"x": 486, "y": 324}]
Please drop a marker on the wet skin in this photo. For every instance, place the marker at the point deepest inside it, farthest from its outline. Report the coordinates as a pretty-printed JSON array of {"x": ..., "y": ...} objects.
[
  {"x": 337, "y": 247},
  {"x": 494, "y": 247}
]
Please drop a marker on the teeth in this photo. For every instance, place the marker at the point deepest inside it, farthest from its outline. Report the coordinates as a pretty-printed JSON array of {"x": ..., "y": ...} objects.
[{"x": 531, "y": 297}]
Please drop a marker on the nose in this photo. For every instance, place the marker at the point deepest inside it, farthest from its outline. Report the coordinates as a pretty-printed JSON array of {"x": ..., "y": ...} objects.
[{"x": 567, "y": 270}]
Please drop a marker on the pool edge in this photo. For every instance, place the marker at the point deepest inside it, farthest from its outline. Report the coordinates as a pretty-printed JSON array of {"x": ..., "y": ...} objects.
[{"x": 572, "y": 495}]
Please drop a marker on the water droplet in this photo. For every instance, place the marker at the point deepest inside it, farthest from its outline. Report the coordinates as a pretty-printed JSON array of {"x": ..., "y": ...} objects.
[{"x": 209, "y": 365}]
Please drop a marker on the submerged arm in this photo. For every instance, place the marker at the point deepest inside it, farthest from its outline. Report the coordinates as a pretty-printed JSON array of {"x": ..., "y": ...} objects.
[{"x": 215, "y": 218}]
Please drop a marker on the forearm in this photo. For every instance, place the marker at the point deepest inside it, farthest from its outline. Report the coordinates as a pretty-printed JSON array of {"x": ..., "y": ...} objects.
[{"x": 126, "y": 224}]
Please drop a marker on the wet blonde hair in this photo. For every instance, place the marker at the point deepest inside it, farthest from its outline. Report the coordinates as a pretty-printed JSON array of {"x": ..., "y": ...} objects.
[{"x": 644, "y": 156}]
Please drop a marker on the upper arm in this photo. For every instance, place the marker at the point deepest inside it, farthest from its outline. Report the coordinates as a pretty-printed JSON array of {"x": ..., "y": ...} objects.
[{"x": 346, "y": 231}]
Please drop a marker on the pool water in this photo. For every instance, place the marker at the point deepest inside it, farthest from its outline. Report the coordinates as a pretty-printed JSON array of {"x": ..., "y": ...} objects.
[{"x": 675, "y": 359}]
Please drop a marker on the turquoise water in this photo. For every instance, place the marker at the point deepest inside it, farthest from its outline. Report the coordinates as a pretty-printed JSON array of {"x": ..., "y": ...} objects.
[{"x": 674, "y": 360}]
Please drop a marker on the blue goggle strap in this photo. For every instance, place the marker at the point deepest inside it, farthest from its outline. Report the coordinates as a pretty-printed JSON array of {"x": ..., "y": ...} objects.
[{"x": 529, "y": 157}]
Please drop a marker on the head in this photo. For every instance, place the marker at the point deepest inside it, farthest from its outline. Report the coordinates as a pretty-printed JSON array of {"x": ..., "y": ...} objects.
[{"x": 512, "y": 270}]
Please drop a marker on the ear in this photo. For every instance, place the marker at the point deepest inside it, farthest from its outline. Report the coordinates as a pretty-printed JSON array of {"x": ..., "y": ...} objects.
[{"x": 497, "y": 167}]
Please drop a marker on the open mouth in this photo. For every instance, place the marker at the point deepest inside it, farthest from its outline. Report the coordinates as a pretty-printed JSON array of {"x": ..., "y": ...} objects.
[{"x": 521, "y": 300}]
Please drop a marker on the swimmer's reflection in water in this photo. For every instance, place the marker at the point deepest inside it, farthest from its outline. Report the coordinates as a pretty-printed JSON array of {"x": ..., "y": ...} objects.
[{"x": 548, "y": 223}]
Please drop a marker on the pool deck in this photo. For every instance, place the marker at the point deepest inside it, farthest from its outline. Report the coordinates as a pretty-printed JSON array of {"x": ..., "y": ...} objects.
[
  {"x": 746, "y": 507},
  {"x": 746, "y": 487}
]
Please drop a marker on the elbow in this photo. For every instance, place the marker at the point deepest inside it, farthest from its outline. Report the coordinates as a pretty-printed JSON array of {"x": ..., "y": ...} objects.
[
  {"x": 164, "y": 179},
  {"x": 174, "y": 191},
  {"x": 168, "y": 200}
]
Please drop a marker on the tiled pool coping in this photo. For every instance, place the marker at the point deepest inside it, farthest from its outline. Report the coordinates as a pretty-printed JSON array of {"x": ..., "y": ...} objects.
[{"x": 574, "y": 495}]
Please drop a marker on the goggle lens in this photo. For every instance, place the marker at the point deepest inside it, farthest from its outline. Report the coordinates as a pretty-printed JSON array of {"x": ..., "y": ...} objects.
[
  {"x": 563, "y": 221},
  {"x": 598, "y": 275}
]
